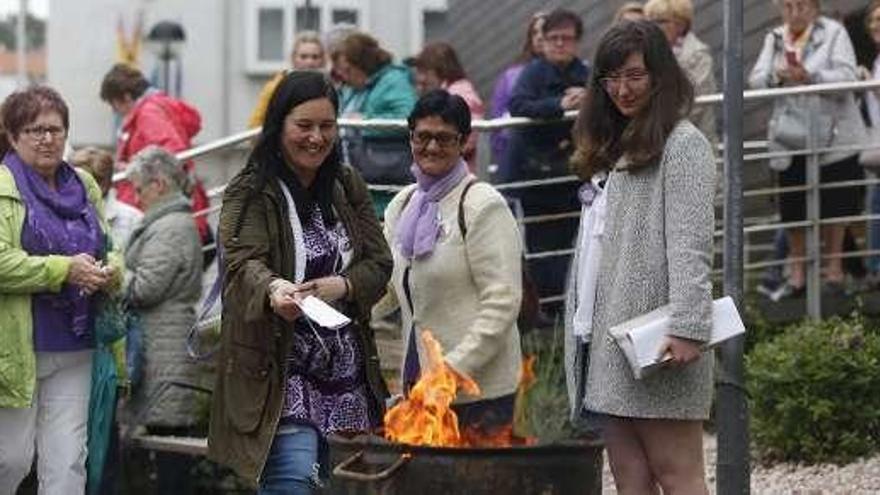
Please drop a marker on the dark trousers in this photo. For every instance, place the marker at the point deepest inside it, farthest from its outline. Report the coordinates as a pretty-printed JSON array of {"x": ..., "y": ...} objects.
[{"x": 549, "y": 274}]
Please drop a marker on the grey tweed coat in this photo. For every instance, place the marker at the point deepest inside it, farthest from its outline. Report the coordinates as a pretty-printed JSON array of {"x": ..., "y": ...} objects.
[
  {"x": 163, "y": 264},
  {"x": 657, "y": 249}
]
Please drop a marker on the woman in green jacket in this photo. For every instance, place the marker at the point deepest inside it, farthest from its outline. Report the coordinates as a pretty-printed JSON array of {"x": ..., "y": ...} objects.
[
  {"x": 296, "y": 223},
  {"x": 53, "y": 261}
]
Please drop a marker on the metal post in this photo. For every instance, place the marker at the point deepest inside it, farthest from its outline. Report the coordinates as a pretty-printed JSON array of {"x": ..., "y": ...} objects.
[
  {"x": 21, "y": 43},
  {"x": 732, "y": 471},
  {"x": 812, "y": 237}
]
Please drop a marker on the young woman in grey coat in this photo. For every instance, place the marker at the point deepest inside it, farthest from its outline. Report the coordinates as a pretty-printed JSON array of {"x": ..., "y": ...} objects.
[{"x": 656, "y": 249}]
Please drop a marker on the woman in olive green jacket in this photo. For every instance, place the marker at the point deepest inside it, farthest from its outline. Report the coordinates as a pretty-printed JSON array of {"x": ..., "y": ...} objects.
[{"x": 295, "y": 223}]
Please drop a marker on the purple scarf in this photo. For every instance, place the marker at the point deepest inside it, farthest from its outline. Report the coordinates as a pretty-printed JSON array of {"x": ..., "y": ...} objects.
[
  {"x": 419, "y": 228},
  {"x": 59, "y": 222}
]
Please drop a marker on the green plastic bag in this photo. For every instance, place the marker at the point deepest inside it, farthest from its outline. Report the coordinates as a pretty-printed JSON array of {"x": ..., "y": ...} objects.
[{"x": 111, "y": 323}]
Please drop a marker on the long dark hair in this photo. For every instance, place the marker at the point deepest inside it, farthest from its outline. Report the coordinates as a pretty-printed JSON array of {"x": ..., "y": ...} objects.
[
  {"x": 602, "y": 134},
  {"x": 295, "y": 88}
]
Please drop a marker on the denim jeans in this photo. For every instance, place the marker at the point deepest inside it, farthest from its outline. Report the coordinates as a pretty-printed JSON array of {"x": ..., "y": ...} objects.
[{"x": 292, "y": 465}]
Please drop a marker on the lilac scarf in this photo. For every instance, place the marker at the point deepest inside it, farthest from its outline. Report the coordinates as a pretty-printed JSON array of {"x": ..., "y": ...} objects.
[
  {"x": 59, "y": 222},
  {"x": 419, "y": 228}
]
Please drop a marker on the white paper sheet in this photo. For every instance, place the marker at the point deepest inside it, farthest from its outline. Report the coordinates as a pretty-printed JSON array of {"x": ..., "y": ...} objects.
[{"x": 322, "y": 313}]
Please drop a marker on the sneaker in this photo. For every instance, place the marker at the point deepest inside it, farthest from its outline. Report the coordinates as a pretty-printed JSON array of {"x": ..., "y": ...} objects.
[
  {"x": 768, "y": 287},
  {"x": 788, "y": 291}
]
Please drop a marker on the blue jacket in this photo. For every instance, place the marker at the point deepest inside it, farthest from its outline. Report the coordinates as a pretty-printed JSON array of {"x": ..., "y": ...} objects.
[
  {"x": 537, "y": 94},
  {"x": 388, "y": 94}
]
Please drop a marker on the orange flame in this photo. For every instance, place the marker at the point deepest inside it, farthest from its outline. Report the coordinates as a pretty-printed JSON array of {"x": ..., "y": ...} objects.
[{"x": 426, "y": 417}]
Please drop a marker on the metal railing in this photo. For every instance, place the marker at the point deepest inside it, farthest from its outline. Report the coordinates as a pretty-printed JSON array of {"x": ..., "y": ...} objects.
[{"x": 813, "y": 222}]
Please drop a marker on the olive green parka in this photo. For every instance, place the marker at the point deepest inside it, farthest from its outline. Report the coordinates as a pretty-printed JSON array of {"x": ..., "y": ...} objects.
[{"x": 249, "y": 388}]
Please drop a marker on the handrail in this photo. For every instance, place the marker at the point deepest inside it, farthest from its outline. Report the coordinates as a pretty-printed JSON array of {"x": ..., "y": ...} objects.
[{"x": 505, "y": 122}]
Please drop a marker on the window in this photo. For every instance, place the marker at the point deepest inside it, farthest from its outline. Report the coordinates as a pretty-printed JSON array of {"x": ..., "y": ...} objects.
[
  {"x": 435, "y": 25},
  {"x": 308, "y": 19},
  {"x": 270, "y": 27},
  {"x": 268, "y": 34},
  {"x": 344, "y": 16}
]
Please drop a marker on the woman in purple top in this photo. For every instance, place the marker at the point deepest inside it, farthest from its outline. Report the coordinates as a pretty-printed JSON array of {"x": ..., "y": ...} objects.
[
  {"x": 507, "y": 80},
  {"x": 296, "y": 223},
  {"x": 52, "y": 254}
]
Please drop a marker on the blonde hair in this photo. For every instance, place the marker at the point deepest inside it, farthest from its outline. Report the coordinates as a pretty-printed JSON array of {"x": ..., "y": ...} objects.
[
  {"x": 679, "y": 9},
  {"x": 307, "y": 37},
  {"x": 629, "y": 8}
]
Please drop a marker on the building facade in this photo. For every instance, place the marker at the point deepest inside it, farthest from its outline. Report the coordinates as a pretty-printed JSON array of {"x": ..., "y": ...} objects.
[{"x": 232, "y": 47}]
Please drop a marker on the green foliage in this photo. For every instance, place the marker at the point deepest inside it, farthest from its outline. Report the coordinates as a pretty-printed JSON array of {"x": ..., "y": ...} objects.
[
  {"x": 546, "y": 402},
  {"x": 814, "y": 392}
]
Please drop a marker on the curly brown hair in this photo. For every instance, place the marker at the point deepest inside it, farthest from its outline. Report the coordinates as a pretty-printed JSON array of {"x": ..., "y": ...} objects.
[
  {"x": 363, "y": 51},
  {"x": 23, "y": 107},
  {"x": 442, "y": 59}
]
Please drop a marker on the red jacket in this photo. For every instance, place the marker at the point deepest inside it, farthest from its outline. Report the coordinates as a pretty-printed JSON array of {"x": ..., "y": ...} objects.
[{"x": 167, "y": 122}]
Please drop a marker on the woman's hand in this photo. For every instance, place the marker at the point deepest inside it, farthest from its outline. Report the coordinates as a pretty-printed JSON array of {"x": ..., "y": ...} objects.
[
  {"x": 86, "y": 273},
  {"x": 794, "y": 75},
  {"x": 679, "y": 350},
  {"x": 328, "y": 289},
  {"x": 284, "y": 299}
]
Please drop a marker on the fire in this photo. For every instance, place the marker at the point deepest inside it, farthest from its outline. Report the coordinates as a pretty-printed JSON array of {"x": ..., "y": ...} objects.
[{"x": 426, "y": 417}]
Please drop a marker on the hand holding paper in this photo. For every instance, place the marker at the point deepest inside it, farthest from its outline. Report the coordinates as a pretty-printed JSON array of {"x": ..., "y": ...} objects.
[
  {"x": 322, "y": 313},
  {"x": 642, "y": 339}
]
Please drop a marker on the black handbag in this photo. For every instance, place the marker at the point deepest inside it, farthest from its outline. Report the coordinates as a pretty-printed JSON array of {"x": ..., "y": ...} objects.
[{"x": 381, "y": 159}]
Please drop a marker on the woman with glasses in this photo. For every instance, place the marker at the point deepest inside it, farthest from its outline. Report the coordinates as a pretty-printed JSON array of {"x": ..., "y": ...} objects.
[
  {"x": 296, "y": 223},
  {"x": 812, "y": 49},
  {"x": 457, "y": 270},
  {"x": 655, "y": 248},
  {"x": 54, "y": 259}
]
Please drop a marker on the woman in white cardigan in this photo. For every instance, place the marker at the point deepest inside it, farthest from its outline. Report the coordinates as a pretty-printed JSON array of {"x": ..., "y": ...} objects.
[{"x": 457, "y": 270}]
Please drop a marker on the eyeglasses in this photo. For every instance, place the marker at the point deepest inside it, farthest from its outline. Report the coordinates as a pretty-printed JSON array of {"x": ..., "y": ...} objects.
[
  {"x": 443, "y": 139},
  {"x": 40, "y": 131},
  {"x": 560, "y": 39},
  {"x": 635, "y": 77}
]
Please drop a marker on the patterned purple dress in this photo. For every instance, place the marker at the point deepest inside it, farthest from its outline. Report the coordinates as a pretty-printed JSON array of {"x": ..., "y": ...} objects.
[{"x": 326, "y": 383}]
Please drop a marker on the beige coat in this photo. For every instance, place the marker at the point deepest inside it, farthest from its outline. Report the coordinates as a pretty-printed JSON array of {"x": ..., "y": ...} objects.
[
  {"x": 467, "y": 293},
  {"x": 695, "y": 58}
]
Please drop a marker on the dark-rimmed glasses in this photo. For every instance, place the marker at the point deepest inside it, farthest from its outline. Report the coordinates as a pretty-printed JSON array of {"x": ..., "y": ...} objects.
[{"x": 421, "y": 139}]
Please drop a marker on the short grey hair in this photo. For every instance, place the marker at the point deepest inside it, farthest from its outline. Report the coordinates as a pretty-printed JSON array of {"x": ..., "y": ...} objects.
[{"x": 153, "y": 162}]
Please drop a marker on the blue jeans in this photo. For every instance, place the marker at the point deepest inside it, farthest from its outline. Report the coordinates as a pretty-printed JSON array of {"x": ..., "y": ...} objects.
[{"x": 292, "y": 465}]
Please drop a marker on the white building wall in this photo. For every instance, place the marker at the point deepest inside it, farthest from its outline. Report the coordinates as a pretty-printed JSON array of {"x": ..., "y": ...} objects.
[{"x": 81, "y": 42}]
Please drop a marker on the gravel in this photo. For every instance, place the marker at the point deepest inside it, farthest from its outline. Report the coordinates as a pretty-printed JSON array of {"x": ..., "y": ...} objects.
[{"x": 861, "y": 477}]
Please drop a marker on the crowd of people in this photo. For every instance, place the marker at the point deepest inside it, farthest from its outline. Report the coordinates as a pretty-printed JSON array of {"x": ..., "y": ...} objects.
[{"x": 298, "y": 221}]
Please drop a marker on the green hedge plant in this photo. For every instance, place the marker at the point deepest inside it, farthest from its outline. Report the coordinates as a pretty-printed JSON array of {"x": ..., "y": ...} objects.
[{"x": 815, "y": 392}]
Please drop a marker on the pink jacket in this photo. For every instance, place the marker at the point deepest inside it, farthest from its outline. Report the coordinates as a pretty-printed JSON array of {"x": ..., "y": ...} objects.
[{"x": 466, "y": 90}]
